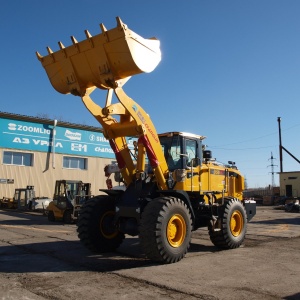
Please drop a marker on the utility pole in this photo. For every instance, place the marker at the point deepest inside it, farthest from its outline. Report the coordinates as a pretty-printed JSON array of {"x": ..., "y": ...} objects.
[
  {"x": 280, "y": 144},
  {"x": 283, "y": 148}
]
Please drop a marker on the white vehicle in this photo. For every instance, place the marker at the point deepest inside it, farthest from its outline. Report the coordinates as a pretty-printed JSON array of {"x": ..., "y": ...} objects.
[{"x": 40, "y": 203}]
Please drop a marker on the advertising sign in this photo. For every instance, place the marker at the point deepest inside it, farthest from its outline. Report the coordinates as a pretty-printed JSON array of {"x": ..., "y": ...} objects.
[{"x": 24, "y": 135}]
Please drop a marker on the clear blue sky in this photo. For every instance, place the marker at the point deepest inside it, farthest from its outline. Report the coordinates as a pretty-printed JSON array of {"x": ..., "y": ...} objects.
[{"x": 228, "y": 70}]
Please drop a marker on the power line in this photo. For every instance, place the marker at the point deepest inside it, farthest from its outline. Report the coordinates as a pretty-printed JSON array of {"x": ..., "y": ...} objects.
[
  {"x": 250, "y": 140},
  {"x": 253, "y": 139},
  {"x": 249, "y": 148}
]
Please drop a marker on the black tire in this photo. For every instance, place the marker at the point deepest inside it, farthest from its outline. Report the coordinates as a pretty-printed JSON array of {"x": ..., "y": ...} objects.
[
  {"x": 166, "y": 230},
  {"x": 231, "y": 227},
  {"x": 51, "y": 216},
  {"x": 67, "y": 218},
  {"x": 95, "y": 228}
]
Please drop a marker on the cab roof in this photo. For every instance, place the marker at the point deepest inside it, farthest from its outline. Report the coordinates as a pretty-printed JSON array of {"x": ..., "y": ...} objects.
[{"x": 185, "y": 134}]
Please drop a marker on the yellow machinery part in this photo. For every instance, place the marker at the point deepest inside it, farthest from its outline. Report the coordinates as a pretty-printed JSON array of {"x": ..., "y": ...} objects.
[
  {"x": 58, "y": 212},
  {"x": 105, "y": 60}
]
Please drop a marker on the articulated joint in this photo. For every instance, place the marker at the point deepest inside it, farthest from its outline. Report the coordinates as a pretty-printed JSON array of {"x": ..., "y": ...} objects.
[
  {"x": 140, "y": 175},
  {"x": 106, "y": 111},
  {"x": 141, "y": 129}
]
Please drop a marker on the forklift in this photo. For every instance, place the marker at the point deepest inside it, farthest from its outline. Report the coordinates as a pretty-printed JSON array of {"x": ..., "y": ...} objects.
[
  {"x": 69, "y": 195},
  {"x": 22, "y": 200}
]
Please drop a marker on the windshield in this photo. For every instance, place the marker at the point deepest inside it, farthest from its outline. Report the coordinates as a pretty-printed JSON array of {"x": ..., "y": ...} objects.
[{"x": 172, "y": 149}]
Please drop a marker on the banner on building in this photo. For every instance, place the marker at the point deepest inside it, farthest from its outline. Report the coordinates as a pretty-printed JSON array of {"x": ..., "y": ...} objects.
[{"x": 31, "y": 136}]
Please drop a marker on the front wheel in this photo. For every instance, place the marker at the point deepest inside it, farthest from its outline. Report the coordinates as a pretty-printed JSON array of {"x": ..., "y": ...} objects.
[
  {"x": 231, "y": 227},
  {"x": 166, "y": 229},
  {"x": 95, "y": 225}
]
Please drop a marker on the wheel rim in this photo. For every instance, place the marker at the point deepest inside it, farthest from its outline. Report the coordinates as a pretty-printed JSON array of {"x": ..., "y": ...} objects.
[
  {"x": 236, "y": 223},
  {"x": 176, "y": 231},
  {"x": 106, "y": 227}
]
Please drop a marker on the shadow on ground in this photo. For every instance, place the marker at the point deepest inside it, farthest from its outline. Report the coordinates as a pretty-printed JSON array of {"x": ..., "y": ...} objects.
[
  {"x": 289, "y": 221},
  {"x": 66, "y": 256}
]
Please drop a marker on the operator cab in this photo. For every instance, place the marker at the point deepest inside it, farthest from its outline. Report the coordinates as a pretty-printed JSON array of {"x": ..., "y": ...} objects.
[
  {"x": 70, "y": 193},
  {"x": 181, "y": 150}
]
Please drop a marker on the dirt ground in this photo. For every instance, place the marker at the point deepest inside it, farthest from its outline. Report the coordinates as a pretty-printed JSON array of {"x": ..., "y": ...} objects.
[{"x": 42, "y": 260}]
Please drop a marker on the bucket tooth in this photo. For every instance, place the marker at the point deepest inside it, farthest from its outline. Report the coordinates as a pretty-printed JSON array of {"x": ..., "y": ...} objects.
[
  {"x": 61, "y": 45},
  {"x": 74, "y": 41},
  {"x": 89, "y": 38},
  {"x": 119, "y": 22},
  {"x": 87, "y": 34},
  {"x": 103, "y": 28},
  {"x": 49, "y": 50},
  {"x": 39, "y": 56}
]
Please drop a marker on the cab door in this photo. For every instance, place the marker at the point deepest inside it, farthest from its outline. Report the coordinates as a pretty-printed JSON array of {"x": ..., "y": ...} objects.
[{"x": 192, "y": 165}]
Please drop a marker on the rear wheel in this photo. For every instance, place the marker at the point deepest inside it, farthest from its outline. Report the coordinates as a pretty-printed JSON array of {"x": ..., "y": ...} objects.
[
  {"x": 230, "y": 230},
  {"x": 95, "y": 225},
  {"x": 166, "y": 229}
]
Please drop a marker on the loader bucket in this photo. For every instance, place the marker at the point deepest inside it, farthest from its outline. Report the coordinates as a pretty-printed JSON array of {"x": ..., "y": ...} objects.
[{"x": 106, "y": 60}]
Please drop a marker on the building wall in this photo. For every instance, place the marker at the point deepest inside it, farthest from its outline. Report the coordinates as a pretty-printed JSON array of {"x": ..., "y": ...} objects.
[
  {"x": 42, "y": 175},
  {"x": 289, "y": 184},
  {"x": 48, "y": 140}
]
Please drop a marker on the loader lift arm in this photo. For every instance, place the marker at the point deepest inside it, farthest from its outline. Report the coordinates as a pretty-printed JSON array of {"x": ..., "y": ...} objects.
[
  {"x": 134, "y": 121},
  {"x": 107, "y": 61}
]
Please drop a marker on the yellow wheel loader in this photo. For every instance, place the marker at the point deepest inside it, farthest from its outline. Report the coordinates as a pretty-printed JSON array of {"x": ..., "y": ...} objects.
[
  {"x": 173, "y": 185},
  {"x": 69, "y": 196}
]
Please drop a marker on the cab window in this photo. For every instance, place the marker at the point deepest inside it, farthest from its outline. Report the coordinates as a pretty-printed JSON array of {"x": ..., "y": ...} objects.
[{"x": 191, "y": 151}]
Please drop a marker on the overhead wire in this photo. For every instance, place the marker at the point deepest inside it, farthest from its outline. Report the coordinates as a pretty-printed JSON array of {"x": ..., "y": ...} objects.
[{"x": 250, "y": 140}]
